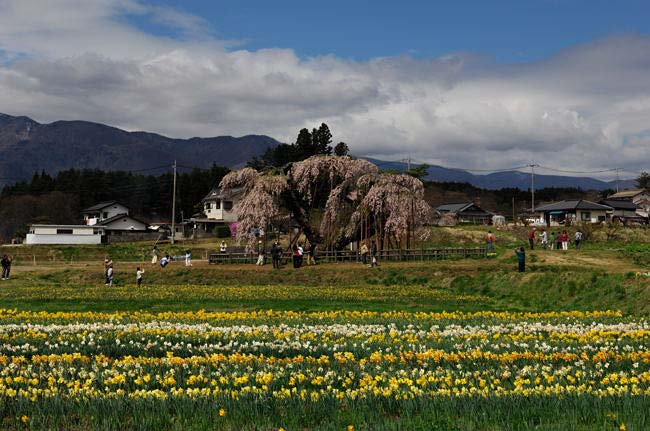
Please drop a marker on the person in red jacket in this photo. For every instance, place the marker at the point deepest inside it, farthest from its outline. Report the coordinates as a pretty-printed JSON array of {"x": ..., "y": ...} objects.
[
  {"x": 531, "y": 238},
  {"x": 565, "y": 240}
]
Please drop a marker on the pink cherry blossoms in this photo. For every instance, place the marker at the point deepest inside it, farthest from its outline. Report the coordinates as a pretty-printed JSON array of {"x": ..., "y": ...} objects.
[{"x": 356, "y": 200}]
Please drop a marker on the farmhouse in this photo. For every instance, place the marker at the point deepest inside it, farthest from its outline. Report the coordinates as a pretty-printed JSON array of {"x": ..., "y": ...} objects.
[
  {"x": 64, "y": 234},
  {"x": 218, "y": 209},
  {"x": 573, "y": 211},
  {"x": 640, "y": 197},
  {"x": 623, "y": 210},
  {"x": 466, "y": 212}
]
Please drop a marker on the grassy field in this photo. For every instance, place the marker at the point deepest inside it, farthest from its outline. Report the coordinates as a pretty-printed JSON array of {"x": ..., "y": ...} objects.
[{"x": 466, "y": 344}]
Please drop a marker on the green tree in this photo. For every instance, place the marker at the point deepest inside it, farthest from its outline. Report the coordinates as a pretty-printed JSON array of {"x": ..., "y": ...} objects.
[
  {"x": 643, "y": 180},
  {"x": 321, "y": 141},
  {"x": 419, "y": 172},
  {"x": 341, "y": 149}
]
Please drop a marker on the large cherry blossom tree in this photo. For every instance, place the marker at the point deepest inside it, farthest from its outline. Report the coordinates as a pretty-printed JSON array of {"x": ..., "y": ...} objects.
[{"x": 350, "y": 196}]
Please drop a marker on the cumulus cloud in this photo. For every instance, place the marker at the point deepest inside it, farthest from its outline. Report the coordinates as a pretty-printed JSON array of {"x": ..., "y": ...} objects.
[{"x": 584, "y": 108}]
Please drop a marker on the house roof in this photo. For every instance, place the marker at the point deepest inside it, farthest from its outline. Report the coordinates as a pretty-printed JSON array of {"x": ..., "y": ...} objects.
[
  {"x": 570, "y": 205},
  {"x": 100, "y": 206},
  {"x": 620, "y": 204},
  {"x": 117, "y": 217},
  {"x": 215, "y": 193},
  {"x": 626, "y": 194},
  {"x": 454, "y": 208}
]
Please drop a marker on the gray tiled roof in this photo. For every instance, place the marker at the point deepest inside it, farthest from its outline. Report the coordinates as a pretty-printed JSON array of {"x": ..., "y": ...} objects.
[{"x": 570, "y": 205}]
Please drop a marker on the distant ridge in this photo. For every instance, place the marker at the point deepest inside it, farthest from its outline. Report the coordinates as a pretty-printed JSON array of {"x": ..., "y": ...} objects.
[
  {"x": 508, "y": 179},
  {"x": 27, "y": 146}
]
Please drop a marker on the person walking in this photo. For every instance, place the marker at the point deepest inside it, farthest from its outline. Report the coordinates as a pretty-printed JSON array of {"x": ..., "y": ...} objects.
[
  {"x": 490, "y": 241},
  {"x": 260, "y": 253},
  {"x": 188, "y": 257},
  {"x": 138, "y": 276},
  {"x": 531, "y": 238},
  {"x": 544, "y": 239},
  {"x": 276, "y": 254},
  {"x": 564, "y": 237},
  {"x": 364, "y": 254},
  {"x": 578, "y": 239},
  {"x": 154, "y": 255},
  {"x": 6, "y": 266},
  {"x": 521, "y": 259},
  {"x": 552, "y": 239}
]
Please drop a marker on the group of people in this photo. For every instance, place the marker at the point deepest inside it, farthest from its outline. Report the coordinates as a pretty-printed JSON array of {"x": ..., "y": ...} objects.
[
  {"x": 297, "y": 254},
  {"x": 554, "y": 241},
  {"x": 372, "y": 251},
  {"x": 6, "y": 266},
  {"x": 164, "y": 261}
]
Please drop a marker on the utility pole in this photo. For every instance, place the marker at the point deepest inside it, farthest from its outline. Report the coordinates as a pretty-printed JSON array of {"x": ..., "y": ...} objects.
[
  {"x": 514, "y": 217},
  {"x": 532, "y": 186},
  {"x": 618, "y": 179},
  {"x": 174, "y": 206}
]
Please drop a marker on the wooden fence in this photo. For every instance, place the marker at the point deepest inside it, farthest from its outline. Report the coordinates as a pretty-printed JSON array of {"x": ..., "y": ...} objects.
[{"x": 420, "y": 254}]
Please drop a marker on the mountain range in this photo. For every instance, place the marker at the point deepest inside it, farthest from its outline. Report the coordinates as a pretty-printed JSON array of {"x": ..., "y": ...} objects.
[
  {"x": 508, "y": 179},
  {"x": 27, "y": 146}
]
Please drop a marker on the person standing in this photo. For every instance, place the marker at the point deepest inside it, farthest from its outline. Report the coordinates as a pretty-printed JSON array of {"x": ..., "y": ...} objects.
[
  {"x": 109, "y": 276},
  {"x": 138, "y": 276},
  {"x": 188, "y": 257},
  {"x": 521, "y": 259},
  {"x": 558, "y": 244},
  {"x": 373, "y": 254},
  {"x": 276, "y": 253},
  {"x": 154, "y": 255},
  {"x": 364, "y": 254},
  {"x": 553, "y": 239},
  {"x": 311, "y": 257},
  {"x": 544, "y": 239},
  {"x": 301, "y": 255},
  {"x": 531, "y": 238},
  {"x": 6, "y": 266},
  {"x": 260, "y": 253},
  {"x": 108, "y": 271},
  {"x": 490, "y": 241},
  {"x": 565, "y": 240},
  {"x": 223, "y": 248},
  {"x": 578, "y": 239},
  {"x": 295, "y": 256}
]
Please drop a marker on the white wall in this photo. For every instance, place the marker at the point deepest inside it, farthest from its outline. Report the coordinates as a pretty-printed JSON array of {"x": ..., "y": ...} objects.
[{"x": 34, "y": 238}]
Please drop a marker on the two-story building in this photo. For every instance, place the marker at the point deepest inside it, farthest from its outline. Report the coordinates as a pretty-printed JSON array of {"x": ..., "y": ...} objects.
[
  {"x": 218, "y": 209},
  {"x": 113, "y": 216},
  {"x": 639, "y": 197}
]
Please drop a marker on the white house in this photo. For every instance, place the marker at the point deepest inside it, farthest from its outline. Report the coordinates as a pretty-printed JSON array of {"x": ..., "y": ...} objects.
[
  {"x": 64, "y": 234},
  {"x": 103, "y": 211},
  {"x": 122, "y": 222},
  {"x": 218, "y": 209}
]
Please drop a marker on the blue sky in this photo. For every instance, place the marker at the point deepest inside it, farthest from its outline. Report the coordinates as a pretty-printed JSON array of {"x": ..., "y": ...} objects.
[
  {"x": 479, "y": 85},
  {"x": 509, "y": 31}
]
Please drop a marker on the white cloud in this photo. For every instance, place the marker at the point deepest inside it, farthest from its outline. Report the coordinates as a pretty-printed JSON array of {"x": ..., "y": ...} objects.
[{"x": 584, "y": 108}]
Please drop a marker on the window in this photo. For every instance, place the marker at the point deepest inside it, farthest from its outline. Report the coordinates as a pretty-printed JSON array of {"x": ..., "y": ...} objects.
[
  {"x": 208, "y": 205},
  {"x": 227, "y": 205},
  {"x": 97, "y": 231},
  {"x": 585, "y": 216},
  {"x": 64, "y": 231},
  {"x": 217, "y": 205},
  {"x": 104, "y": 215}
]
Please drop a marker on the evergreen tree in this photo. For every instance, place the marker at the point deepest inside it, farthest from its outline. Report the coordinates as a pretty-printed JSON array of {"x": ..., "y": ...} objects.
[
  {"x": 341, "y": 149},
  {"x": 643, "y": 180}
]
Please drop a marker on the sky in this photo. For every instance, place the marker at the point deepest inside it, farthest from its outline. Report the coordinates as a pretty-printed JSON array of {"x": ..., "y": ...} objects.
[{"x": 468, "y": 84}]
